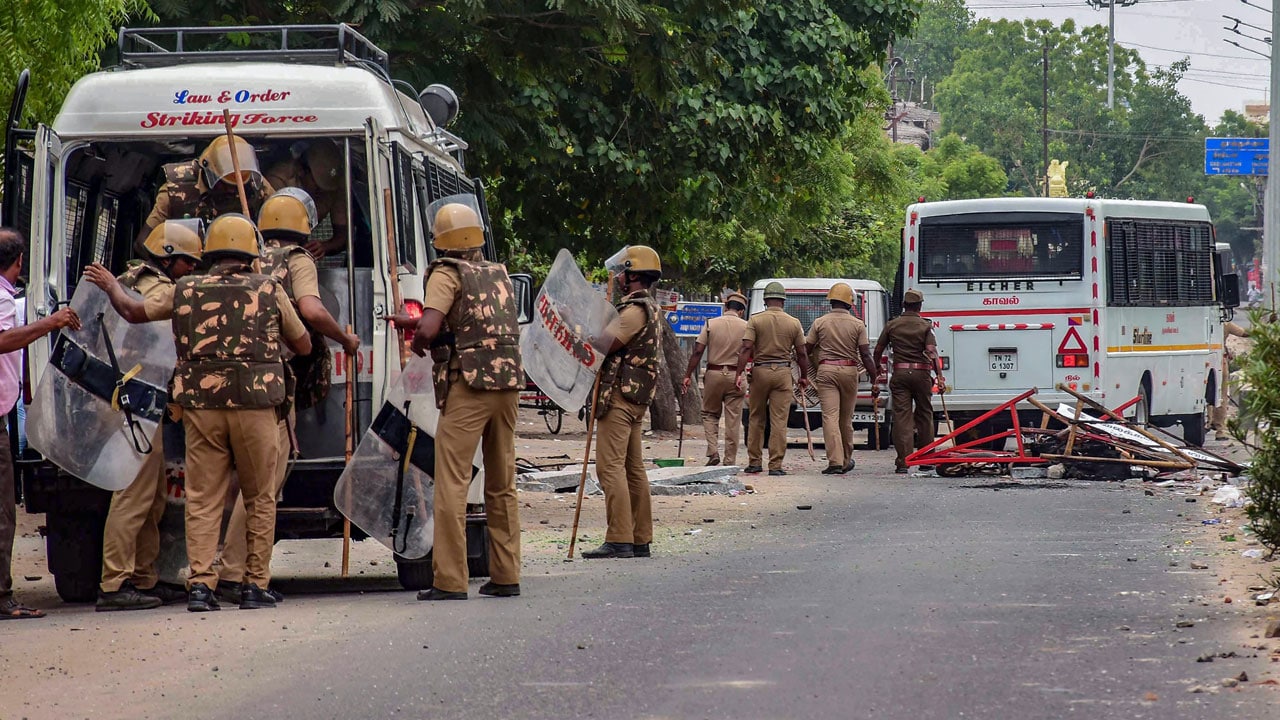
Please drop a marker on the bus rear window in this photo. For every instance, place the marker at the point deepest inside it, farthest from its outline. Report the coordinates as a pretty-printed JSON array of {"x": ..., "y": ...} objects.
[
  {"x": 807, "y": 307},
  {"x": 1006, "y": 245}
]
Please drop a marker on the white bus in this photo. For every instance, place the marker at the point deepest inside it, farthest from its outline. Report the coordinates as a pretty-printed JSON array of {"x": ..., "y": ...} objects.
[{"x": 1116, "y": 299}]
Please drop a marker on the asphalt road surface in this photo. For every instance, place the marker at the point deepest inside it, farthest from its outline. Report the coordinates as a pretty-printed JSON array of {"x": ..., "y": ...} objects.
[{"x": 892, "y": 597}]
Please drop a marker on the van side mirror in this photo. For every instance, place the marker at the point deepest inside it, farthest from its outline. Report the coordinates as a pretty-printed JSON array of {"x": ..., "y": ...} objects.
[
  {"x": 523, "y": 284},
  {"x": 1230, "y": 290}
]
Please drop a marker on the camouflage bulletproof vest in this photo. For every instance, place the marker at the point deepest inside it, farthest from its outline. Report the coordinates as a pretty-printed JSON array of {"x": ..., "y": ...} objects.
[
  {"x": 226, "y": 329},
  {"x": 137, "y": 271},
  {"x": 485, "y": 321},
  {"x": 634, "y": 369},
  {"x": 186, "y": 200},
  {"x": 309, "y": 377}
]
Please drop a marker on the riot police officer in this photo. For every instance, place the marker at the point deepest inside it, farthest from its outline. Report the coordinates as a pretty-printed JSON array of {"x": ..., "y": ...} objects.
[
  {"x": 768, "y": 343},
  {"x": 915, "y": 359},
  {"x": 131, "y": 537},
  {"x": 628, "y": 381},
  {"x": 470, "y": 323},
  {"x": 722, "y": 338},
  {"x": 842, "y": 345},
  {"x": 206, "y": 186}
]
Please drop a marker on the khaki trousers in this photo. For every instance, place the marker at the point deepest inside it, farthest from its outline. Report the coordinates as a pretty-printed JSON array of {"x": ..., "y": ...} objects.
[
  {"x": 720, "y": 394},
  {"x": 837, "y": 393},
  {"x": 1219, "y": 417},
  {"x": 620, "y": 470},
  {"x": 217, "y": 441},
  {"x": 235, "y": 541},
  {"x": 469, "y": 415},
  {"x": 771, "y": 388},
  {"x": 913, "y": 426},
  {"x": 131, "y": 538}
]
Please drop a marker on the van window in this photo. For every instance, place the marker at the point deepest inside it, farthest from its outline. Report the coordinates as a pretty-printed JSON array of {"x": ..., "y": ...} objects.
[
  {"x": 807, "y": 307},
  {"x": 406, "y": 235},
  {"x": 1159, "y": 263}
]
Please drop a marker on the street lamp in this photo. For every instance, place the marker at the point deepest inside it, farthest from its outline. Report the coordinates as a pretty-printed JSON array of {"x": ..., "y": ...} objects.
[{"x": 1111, "y": 43}]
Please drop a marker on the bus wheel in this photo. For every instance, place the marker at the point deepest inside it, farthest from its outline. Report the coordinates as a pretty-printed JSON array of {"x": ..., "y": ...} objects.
[{"x": 1193, "y": 429}]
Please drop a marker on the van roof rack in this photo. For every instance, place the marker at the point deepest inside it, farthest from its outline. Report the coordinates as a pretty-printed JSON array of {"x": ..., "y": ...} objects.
[{"x": 305, "y": 44}]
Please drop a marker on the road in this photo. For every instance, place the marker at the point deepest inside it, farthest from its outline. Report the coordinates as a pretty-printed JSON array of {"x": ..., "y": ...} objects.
[{"x": 892, "y": 597}]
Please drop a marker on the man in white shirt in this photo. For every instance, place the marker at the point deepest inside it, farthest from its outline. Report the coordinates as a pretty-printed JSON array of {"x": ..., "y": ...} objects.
[{"x": 13, "y": 338}]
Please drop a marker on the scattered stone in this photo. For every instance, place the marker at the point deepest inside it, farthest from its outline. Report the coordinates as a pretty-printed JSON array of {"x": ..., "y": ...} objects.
[
  {"x": 1243, "y": 676},
  {"x": 582, "y": 646},
  {"x": 804, "y": 507},
  {"x": 1150, "y": 697},
  {"x": 1173, "y": 563},
  {"x": 1196, "y": 689},
  {"x": 1028, "y": 473},
  {"x": 1149, "y": 492},
  {"x": 1198, "y": 566},
  {"x": 32, "y": 578},
  {"x": 1191, "y": 500},
  {"x": 1226, "y": 600},
  {"x": 215, "y": 668},
  {"x": 544, "y": 522},
  {"x": 1207, "y": 657},
  {"x": 1131, "y": 559},
  {"x": 1056, "y": 472},
  {"x": 1124, "y": 628},
  {"x": 708, "y": 520},
  {"x": 1185, "y": 623},
  {"x": 1273, "y": 628},
  {"x": 1230, "y": 682}
]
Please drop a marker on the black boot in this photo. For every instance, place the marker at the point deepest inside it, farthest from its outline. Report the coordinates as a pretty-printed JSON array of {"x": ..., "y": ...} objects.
[
  {"x": 610, "y": 550},
  {"x": 126, "y": 598},
  {"x": 168, "y": 594},
  {"x": 640, "y": 550},
  {"x": 253, "y": 597},
  {"x": 200, "y": 599},
  {"x": 433, "y": 593},
  {"x": 494, "y": 589}
]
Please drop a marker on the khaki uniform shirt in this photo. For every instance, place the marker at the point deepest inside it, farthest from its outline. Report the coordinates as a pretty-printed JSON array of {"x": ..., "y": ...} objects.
[
  {"x": 837, "y": 336},
  {"x": 290, "y": 173},
  {"x": 629, "y": 324},
  {"x": 148, "y": 284},
  {"x": 303, "y": 277},
  {"x": 159, "y": 306},
  {"x": 160, "y": 210},
  {"x": 443, "y": 285},
  {"x": 775, "y": 334},
  {"x": 908, "y": 335},
  {"x": 722, "y": 337}
]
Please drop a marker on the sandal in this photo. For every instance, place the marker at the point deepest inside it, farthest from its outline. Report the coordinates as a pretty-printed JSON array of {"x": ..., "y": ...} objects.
[{"x": 13, "y": 610}]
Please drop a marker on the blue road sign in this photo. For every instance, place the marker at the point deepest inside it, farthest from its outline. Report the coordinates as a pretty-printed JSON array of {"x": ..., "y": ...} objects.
[
  {"x": 689, "y": 317},
  {"x": 1236, "y": 156}
]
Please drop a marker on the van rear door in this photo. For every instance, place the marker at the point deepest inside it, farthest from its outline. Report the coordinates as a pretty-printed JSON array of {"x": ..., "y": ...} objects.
[
  {"x": 45, "y": 267},
  {"x": 1004, "y": 360}
]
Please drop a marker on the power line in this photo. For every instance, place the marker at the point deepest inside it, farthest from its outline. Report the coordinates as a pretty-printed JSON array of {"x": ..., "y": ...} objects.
[{"x": 1186, "y": 52}]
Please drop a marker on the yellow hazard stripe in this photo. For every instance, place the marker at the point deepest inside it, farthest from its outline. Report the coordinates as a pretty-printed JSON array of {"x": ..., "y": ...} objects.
[{"x": 1162, "y": 348}]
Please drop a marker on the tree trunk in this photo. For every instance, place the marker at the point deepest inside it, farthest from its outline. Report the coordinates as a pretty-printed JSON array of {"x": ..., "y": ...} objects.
[{"x": 667, "y": 402}]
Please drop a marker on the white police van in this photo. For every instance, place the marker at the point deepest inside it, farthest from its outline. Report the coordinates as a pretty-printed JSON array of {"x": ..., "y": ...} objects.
[{"x": 81, "y": 188}]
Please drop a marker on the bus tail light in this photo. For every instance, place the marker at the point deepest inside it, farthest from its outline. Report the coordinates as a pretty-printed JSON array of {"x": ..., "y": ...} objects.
[
  {"x": 946, "y": 362},
  {"x": 1074, "y": 360}
]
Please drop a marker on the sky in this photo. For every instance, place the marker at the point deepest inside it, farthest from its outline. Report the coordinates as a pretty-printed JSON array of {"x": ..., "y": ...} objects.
[{"x": 1222, "y": 76}]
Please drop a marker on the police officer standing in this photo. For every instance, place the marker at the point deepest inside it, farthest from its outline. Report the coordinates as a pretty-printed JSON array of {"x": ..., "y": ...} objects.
[
  {"x": 470, "y": 322},
  {"x": 843, "y": 351},
  {"x": 723, "y": 335},
  {"x": 206, "y": 186},
  {"x": 769, "y": 340},
  {"x": 228, "y": 328},
  {"x": 131, "y": 538},
  {"x": 628, "y": 380},
  {"x": 915, "y": 359},
  {"x": 285, "y": 221}
]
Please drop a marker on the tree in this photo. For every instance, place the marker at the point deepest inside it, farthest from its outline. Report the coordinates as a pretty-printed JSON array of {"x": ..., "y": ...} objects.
[
  {"x": 59, "y": 41},
  {"x": 931, "y": 49}
]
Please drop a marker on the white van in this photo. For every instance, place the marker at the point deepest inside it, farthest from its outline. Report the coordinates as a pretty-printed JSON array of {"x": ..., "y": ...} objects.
[
  {"x": 806, "y": 301},
  {"x": 81, "y": 188}
]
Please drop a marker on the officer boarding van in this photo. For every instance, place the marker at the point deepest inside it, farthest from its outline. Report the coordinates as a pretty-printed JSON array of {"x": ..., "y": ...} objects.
[{"x": 81, "y": 188}]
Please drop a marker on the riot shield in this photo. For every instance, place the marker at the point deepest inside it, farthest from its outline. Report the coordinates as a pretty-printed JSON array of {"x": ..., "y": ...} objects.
[
  {"x": 99, "y": 402},
  {"x": 565, "y": 344},
  {"x": 386, "y": 490}
]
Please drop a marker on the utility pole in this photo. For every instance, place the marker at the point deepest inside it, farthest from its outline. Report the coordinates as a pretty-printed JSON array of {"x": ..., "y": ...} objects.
[
  {"x": 1111, "y": 44},
  {"x": 893, "y": 95},
  {"x": 1044, "y": 114},
  {"x": 1271, "y": 200}
]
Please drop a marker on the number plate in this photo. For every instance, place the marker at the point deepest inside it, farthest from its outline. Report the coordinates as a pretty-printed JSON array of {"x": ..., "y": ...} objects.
[
  {"x": 1003, "y": 362},
  {"x": 866, "y": 416}
]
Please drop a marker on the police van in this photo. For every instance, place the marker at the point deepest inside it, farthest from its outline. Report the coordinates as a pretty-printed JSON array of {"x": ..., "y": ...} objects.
[
  {"x": 807, "y": 301},
  {"x": 81, "y": 188}
]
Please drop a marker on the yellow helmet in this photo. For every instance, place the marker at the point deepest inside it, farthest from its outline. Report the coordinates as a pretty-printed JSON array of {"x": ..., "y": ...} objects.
[
  {"x": 217, "y": 165},
  {"x": 231, "y": 234},
  {"x": 457, "y": 227},
  {"x": 841, "y": 292},
  {"x": 176, "y": 238},
  {"x": 325, "y": 162},
  {"x": 287, "y": 211},
  {"x": 636, "y": 259}
]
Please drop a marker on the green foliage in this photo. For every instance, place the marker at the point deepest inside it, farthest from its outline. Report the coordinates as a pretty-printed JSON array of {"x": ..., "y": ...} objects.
[
  {"x": 931, "y": 50},
  {"x": 59, "y": 41},
  {"x": 1261, "y": 406}
]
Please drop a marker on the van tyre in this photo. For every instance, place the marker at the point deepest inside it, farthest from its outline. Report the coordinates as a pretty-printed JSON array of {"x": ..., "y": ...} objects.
[
  {"x": 418, "y": 574},
  {"x": 414, "y": 574},
  {"x": 73, "y": 542},
  {"x": 1193, "y": 429}
]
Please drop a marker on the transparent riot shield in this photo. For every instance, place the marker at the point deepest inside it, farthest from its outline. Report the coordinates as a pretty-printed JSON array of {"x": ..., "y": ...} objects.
[
  {"x": 100, "y": 401},
  {"x": 565, "y": 345},
  {"x": 386, "y": 490}
]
